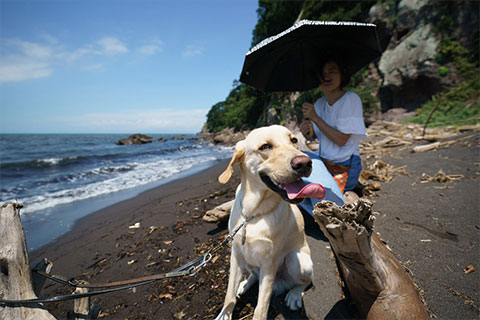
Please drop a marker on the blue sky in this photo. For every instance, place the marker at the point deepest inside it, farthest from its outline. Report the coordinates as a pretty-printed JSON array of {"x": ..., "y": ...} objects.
[{"x": 80, "y": 66}]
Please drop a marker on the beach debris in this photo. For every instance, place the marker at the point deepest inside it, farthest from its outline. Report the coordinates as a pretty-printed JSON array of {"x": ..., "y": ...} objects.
[
  {"x": 219, "y": 213},
  {"x": 469, "y": 269},
  {"x": 135, "y": 226},
  {"x": 131, "y": 262},
  {"x": 217, "y": 194},
  {"x": 382, "y": 171},
  {"x": 383, "y": 136},
  {"x": 166, "y": 295},
  {"x": 97, "y": 263},
  {"x": 167, "y": 242},
  {"x": 151, "y": 264},
  {"x": 152, "y": 229},
  {"x": 468, "y": 300},
  {"x": 390, "y": 142},
  {"x": 180, "y": 315},
  {"x": 426, "y": 147},
  {"x": 437, "y": 145},
  {"x": 441, "y": 177}
]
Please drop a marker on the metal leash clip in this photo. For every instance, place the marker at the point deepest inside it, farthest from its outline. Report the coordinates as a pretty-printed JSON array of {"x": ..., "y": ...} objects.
[
  {"x": 206, "y": 258},
  {"x": 73, "y": 282}
]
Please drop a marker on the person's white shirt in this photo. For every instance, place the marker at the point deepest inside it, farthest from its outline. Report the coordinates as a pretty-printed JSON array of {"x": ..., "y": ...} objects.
[{"x": 346, "y": 115}]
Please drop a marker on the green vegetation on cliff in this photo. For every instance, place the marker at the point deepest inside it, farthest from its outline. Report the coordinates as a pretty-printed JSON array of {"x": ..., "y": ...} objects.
[{"x": 460, "y": 103}]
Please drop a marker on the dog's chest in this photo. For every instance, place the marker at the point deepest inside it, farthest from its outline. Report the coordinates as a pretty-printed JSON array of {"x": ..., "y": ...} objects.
[{"x": 261, "y": 243}]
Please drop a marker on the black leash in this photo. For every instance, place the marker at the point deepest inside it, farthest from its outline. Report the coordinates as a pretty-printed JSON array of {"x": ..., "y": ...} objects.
[{"x": 188, "y": 269}]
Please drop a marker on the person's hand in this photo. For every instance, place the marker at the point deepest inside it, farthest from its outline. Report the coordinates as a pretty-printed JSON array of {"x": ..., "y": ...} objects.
[
  {"x": 308, "y": 110},
  {"x": 306, "y": 128}
]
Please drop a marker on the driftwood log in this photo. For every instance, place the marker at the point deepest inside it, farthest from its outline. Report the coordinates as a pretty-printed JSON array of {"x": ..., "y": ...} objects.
[
  {"x": 374, "y": 279},
  {"x": 15, "y": 274},
  {"x": 17, "y": 282},
  {"x": 219, "y": 213}
]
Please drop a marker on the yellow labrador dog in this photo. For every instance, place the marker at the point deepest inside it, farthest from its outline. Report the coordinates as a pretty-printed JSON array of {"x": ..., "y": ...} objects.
[{"x": 271, "y": 246}]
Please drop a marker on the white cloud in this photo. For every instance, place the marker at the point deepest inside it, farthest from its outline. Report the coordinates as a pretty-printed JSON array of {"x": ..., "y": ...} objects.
[
  {"x": 151, "y": 48},
  {"x": 12, "y": 70},
  {"x": 94, "y": 67},
  {"x": 111, "y": 46},
  {"x": 22, "y": 60},
  {"x": 152, "y": 121},
  {"x": 34, "y": 50},
  {"x": 49, "y": 38},
  {"x": 192, "y": 50}
]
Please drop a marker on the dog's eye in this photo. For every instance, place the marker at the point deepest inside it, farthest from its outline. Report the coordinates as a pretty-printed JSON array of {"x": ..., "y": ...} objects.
[
  {"x": 265, "y": 146},
  {"x": 294, "y": 140}
]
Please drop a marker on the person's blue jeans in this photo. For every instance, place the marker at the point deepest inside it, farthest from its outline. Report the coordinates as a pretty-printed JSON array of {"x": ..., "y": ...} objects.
[{"x": 355, "y": 164}]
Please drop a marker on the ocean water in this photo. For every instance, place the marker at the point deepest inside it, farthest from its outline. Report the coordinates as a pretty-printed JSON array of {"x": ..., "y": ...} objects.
[{"x": 60, "y": 178}]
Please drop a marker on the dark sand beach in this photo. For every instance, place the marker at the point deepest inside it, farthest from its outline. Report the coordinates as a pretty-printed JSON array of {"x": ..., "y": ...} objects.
[{"x": 433, "y": 228}]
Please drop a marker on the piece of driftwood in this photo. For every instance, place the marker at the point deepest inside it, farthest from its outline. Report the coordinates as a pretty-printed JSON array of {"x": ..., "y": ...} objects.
[
  {"x": 81, "y": 309},
  {"x": 43, "y": 265},
  {"x": 436, "y": 145},
  {"x": 427, "y": 147},
  {"x": 15, "y": 274},
  {"x": 374, "y": 279},
  {"x": 219, "y": 213}
]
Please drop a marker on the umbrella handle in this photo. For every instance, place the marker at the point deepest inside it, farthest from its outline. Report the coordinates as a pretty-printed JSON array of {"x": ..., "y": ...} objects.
[{"x": 311, "y": 132}]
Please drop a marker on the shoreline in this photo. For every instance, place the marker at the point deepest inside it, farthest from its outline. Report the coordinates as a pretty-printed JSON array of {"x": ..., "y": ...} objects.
[
  {"x": 47, "y": 228},
  {"x": 100, "y": 218}
]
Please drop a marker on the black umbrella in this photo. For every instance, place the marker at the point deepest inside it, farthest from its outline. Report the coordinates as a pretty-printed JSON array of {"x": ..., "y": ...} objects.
[{"x": 289, "y": 60}]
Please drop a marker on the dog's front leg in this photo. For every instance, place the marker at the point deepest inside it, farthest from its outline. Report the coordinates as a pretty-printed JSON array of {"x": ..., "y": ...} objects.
[
  {"x": 267, "y": 277},
  {"x": 236, "y": 273}
]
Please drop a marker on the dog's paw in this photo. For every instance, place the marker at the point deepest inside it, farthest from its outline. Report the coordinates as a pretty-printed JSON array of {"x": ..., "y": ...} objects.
[
  {"x": 293, "y": 299},
  {"x": 224, "y": 316},
  {"x": 242, "y": 288},
  {"x": 246, "y": 284}
]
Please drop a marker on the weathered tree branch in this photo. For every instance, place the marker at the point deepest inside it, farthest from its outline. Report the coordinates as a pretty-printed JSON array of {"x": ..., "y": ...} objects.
[{"x": 375, "y": 280}]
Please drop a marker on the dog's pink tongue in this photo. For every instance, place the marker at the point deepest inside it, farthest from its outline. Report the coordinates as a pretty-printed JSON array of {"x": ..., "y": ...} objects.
[{"x": 301, "y": 189}]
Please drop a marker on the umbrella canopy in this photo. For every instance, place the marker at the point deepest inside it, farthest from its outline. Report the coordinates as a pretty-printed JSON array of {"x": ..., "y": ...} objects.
[{"x": 289, "y": 60}]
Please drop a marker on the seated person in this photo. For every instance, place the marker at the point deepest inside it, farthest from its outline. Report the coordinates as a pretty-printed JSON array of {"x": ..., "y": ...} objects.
[{"x": 338, "y": 124}]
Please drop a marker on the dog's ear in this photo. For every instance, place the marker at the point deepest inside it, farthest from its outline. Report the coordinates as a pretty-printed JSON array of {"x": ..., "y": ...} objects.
[{"x": 237, "y": 156}]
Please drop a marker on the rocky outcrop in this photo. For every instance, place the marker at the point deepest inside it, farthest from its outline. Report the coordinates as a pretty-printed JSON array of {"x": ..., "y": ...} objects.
[
  {"x": 409, "y": 32},
  {"x": 227, "y": 136},
  {"x": 409, "y": 70},
  {"x": 135, "y": 139}
]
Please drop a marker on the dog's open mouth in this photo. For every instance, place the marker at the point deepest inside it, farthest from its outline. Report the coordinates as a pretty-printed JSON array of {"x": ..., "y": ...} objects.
[{"x": 294, "y": 192}]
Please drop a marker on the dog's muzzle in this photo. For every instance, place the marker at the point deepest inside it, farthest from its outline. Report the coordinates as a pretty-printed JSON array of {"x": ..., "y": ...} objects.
[{"x": 294, "y": 192}]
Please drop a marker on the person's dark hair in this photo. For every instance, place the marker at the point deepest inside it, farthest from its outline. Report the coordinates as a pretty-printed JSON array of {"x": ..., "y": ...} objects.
[{"x": 342, "y": 65}]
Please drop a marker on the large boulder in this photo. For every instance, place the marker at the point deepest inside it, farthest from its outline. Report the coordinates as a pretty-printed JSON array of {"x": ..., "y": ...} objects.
[
  {"x": 381, "y": 14},
  {"x": 228, "y": 136},
  {"x": 411, "y": 13},
  {"x": 409, "y": 31},
  {"x": 135, "y": 139},
  {"x": 410, "y": 72}
]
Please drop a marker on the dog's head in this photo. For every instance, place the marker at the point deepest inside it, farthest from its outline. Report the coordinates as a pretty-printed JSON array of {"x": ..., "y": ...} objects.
[{"x": 269, "y": 159}]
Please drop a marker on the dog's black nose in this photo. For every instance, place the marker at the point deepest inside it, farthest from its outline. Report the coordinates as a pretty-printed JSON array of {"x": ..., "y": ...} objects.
[{"x": 301, "y": 164}]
